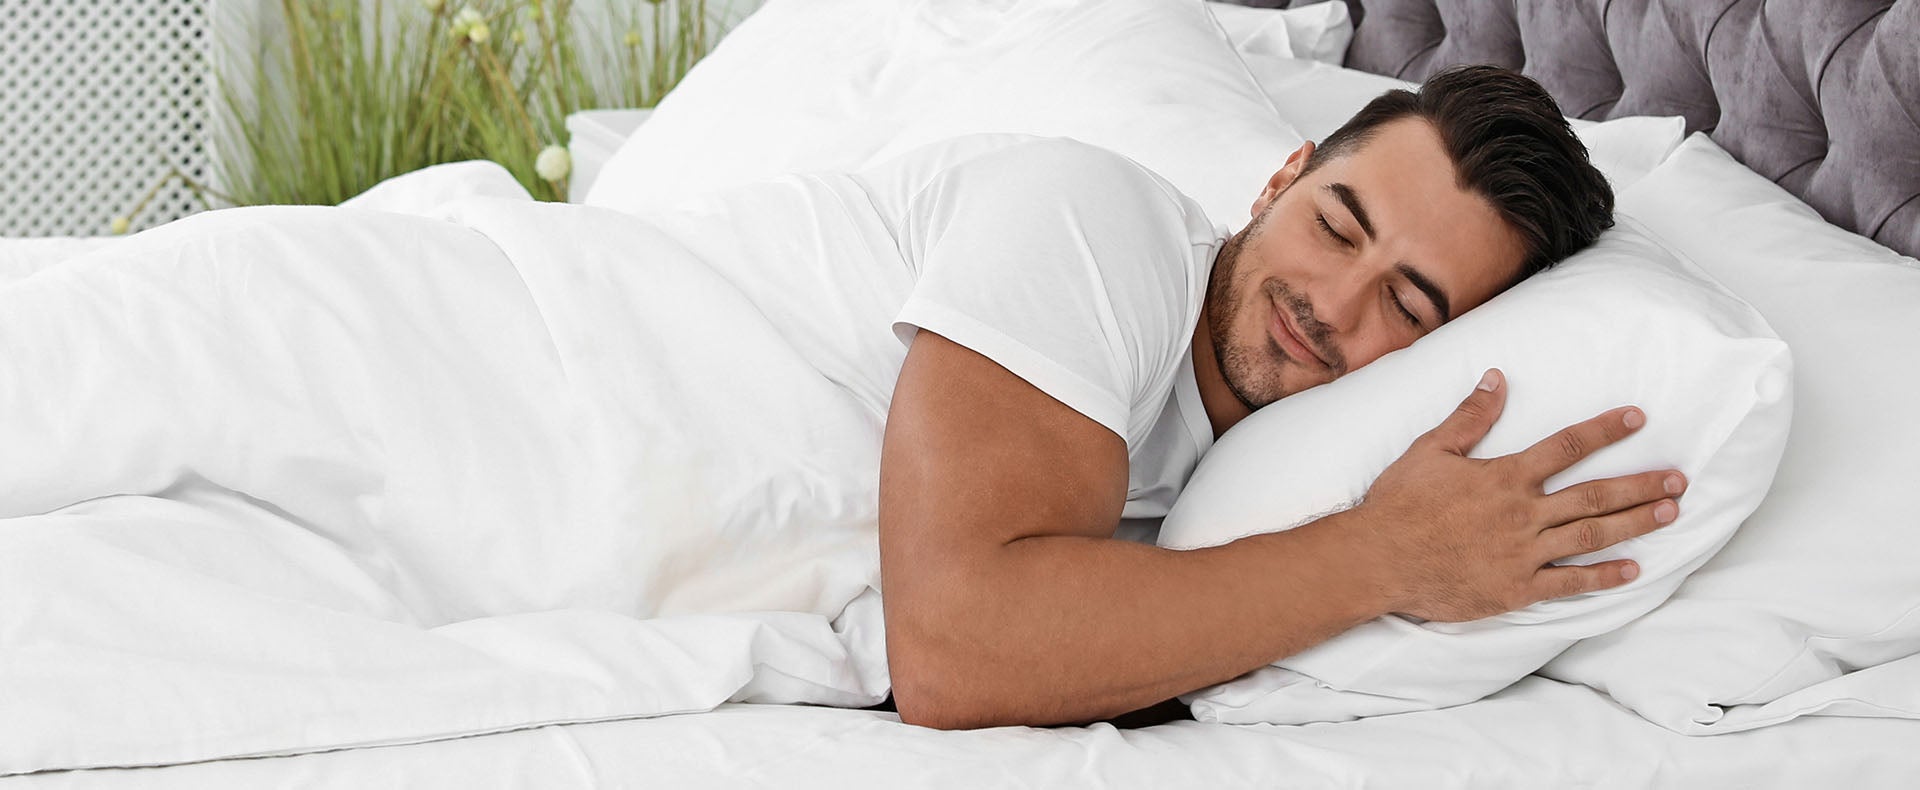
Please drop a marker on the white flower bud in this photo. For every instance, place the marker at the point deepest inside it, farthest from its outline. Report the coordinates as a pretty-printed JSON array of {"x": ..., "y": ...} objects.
[
  {"x": 120, "y": 225},
  {"x": 469, "y": 17},
  {"x": 554, "y": 163},
  {"x": 633, "y": 38},
  {"x": 478, "y": 33}
]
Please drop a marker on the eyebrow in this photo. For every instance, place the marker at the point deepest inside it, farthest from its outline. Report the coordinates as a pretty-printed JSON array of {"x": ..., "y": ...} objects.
[
  {"x": 1352, "y": 202},
  {"x": 1427, "y": 287},
  {"x": 1426, "y": 284}
]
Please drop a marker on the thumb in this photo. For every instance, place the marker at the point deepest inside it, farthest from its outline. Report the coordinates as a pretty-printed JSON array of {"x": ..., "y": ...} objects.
[{"x": 1469, "y": 423}]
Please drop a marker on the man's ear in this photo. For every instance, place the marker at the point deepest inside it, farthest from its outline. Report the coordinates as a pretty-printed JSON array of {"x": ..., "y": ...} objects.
[{"x": 1282, "y": 178}]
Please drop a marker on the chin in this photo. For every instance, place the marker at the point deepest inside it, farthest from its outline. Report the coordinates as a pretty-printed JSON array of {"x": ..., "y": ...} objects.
[{"x": 1254, "y": 373}]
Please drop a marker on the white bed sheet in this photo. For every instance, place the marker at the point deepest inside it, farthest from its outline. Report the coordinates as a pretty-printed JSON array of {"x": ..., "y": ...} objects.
[{"x": 1539, "y": 733}]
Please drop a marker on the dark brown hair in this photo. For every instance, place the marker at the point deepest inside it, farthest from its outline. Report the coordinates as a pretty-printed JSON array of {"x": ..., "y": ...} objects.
[{"x": 1509, "y": 144}]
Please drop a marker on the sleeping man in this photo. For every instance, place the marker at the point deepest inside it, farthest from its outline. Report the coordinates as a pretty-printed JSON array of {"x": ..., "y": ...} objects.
[
  {"x": 1059, "y": 382},
  {"x": 334, "y": 476}
]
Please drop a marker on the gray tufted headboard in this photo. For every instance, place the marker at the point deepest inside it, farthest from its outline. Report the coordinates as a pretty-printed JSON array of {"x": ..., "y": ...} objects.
[{"x": 1822, "y": 96}]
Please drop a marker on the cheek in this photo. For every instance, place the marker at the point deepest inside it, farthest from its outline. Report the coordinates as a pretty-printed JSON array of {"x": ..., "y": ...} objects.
[
  {"x": 1377, "y": 343},
  {"x": 1364, "y": 354}
]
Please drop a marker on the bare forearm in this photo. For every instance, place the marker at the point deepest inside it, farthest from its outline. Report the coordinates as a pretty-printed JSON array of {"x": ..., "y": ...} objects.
[{"x": 1056, "y": 629}]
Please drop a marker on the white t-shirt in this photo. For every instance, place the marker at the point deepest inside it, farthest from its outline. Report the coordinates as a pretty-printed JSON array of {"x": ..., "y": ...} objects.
[{"x": 1071, "y": 266}]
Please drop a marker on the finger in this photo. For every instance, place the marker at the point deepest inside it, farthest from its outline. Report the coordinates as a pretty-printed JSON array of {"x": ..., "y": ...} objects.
[
  {"x": 1600, "y": 497},
  {"x": 1552, "y": 455},
  {"x": 1471, "y": 420},
  {"x": 1560, "y": 581},
  {"x": 1598, "y": 532}
]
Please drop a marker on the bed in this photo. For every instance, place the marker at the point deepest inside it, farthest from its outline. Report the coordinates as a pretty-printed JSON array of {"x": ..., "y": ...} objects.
[{"x": 1817, "y": 98}]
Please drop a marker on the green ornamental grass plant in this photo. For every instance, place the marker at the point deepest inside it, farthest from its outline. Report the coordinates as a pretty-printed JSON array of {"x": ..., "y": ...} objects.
[{"x": 357, "y": 91}]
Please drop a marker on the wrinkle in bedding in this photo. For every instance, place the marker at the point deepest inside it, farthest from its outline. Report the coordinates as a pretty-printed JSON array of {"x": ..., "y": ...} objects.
[{"x": 298, "y": 478}]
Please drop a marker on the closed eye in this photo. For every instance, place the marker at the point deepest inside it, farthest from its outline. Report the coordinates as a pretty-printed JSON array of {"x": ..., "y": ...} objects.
[
  {"x": 1328, "y": 229},
  {"x": 1321, "y": 220},
  {"x": 1402, "y": 307}
]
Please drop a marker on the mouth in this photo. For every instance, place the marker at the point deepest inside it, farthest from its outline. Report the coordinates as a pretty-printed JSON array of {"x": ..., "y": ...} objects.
[{"x": 1289, "y": 338}]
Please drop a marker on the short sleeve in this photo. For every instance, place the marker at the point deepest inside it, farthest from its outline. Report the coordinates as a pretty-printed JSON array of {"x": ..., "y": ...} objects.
[{"x": 1069, "y": 265}]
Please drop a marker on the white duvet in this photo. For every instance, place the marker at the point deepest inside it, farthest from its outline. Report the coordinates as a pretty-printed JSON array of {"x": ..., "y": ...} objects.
[{"x": 285, "y": 479}]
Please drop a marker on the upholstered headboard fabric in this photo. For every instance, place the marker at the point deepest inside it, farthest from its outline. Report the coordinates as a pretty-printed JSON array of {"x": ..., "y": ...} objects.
[{"x": 1822, "y": 96}]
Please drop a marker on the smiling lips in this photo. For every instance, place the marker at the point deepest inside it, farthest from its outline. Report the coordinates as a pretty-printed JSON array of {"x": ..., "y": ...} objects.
[{"x": 1290, "y": 339}]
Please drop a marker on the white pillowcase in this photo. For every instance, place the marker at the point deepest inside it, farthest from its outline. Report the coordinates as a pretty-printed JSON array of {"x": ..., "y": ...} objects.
[
  {"x": 1627, "y": 149},
  {"x": 1316, "y": 99},
  {"x": 1623, "y": 322},
  {"x": 418, "y": 191},
  {"x": 1320, "y": 31},
  {"x": 813, "y": 85},
  {"x": 1824, "y": 579}
]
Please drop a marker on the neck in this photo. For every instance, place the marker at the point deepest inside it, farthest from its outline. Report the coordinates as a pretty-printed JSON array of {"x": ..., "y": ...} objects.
[{"x": 1223, "y": 408}]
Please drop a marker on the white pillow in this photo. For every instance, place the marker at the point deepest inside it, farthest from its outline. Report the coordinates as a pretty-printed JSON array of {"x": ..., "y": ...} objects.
[
  {"x": 1320, "y": 31},
  {"x": 812, "y": 85},
  {"x": 1315, "y": 99},
  {"x": 1627, "y": 149},
  {"x": 1822, "y": 580},
  {"x": 418, "y": 191},
  {"x": 1623, "y": 322}
]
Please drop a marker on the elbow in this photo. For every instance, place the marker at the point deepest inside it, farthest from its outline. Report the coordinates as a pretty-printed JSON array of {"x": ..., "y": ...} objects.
[
  {"x": 933, "y": 717},
  {"x": 928, "y": 690}
]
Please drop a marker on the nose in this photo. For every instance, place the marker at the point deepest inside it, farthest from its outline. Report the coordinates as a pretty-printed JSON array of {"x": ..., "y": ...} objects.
[{"x": 1344, "y": 299}]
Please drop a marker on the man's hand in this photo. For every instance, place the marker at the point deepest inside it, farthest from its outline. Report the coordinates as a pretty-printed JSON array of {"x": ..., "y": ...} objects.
[{"x": 1465, "y": 538}]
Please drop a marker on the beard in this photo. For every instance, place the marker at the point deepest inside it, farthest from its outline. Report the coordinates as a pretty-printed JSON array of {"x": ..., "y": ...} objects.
[{"x": 1254, "y": 371}]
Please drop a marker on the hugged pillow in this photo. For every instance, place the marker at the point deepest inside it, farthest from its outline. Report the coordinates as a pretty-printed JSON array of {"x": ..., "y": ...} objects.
[
  {"x": 815, "y": 85},
  {"x": 1623, "y": 322},
  {"x": 1816, "y": 599}
]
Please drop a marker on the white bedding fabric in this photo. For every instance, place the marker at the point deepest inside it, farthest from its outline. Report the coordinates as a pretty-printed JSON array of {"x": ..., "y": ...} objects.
[
  {"x": 472, "y": 458},
  {"x": 1537, "y": 734},
  {"x": 346, "y": 574}
]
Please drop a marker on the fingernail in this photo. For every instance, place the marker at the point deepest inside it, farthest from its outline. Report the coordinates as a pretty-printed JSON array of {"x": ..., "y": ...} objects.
[
  {"x": 1488, "y": 380},
  {"x": 1674, "y": 484},
  {"x": 1629, "y": 571},
  {"x": 1634, "y": 418},
  {"x": 1664, "y": 512}
]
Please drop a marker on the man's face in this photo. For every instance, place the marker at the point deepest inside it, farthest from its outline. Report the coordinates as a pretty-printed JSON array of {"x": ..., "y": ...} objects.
[{"x": 1293, "y": 303}]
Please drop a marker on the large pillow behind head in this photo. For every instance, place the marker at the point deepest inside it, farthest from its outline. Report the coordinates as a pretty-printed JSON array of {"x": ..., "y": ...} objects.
[
  {"x": 1623, "y": 322},
  {"x": 1316, "y": 98},
  {"x": 1816, "y": 602},
  {"x": 816, "y": 85}
]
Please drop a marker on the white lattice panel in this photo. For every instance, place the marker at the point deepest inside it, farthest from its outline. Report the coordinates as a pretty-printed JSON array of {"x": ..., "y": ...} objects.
[{"x": 98, "y": 99}]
